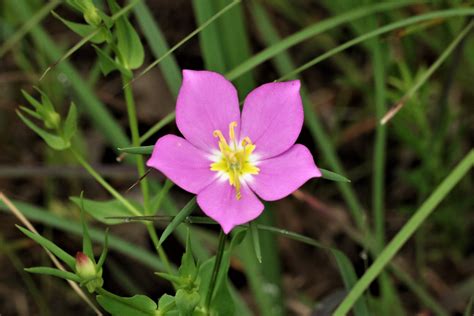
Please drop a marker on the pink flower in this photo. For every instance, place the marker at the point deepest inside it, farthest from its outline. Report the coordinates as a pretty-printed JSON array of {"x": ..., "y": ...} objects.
[{"x": 227, "y": 158}]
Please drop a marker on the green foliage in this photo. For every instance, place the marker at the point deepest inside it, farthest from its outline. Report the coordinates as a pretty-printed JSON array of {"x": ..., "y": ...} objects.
[
  {"x": 62, "y": 132},
  {"x": 137, "y": 305},
  {"x": 102, "y": 210}
]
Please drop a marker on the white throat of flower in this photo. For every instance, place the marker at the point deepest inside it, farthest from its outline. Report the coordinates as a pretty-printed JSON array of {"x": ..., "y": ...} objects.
[{"x": 234, "y": 160}]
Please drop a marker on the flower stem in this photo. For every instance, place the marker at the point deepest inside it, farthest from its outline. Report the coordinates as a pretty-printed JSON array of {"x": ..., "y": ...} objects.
[
  {"x": 133, "y": 122},
  {"x": 104, "y": 183},
  {"x": 215, "y": 271}
]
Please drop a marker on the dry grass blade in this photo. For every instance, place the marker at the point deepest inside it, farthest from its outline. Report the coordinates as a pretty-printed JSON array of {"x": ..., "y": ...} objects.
[{"x": 15, "y": 211}]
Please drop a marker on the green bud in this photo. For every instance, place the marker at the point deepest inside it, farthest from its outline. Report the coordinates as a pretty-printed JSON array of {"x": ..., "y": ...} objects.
[
  {"x": 91, "y": 14},
  {"x": 86, "y": 270},
  {"x": 51, "y": 120}
]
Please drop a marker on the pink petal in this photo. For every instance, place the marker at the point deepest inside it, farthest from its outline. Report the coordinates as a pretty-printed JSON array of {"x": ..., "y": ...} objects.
[
  {"x": 273, "y": 117},
  {"x": 206, "y": 102},
  {"x": 184, "y": 164},
  {"x": 284, "y": 174},
  {"x": 218, "y": 201}
]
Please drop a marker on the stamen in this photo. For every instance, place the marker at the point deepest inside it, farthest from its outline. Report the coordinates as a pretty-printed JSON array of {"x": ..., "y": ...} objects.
[
  {"x": 217, "y": 133},
  {"x": 235, "y": 161},
  {"x": 232, "y": 125}
]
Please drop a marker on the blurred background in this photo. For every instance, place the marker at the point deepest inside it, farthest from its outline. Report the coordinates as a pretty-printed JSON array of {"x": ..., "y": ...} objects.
[{"x": 393, "y": 169}]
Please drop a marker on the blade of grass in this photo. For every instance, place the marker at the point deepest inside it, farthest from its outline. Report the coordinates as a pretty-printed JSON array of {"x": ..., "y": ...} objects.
[
  {"x": 284, "y": 64},
  {"x": 317, "y": 28},
  {"x": 158, "y": 45},
  {"x": 379, "y": 31},
  {"x": 426, "y": 75},
  {"x": 187, "y": 38},
  {"x": 28, "y": 26},
  {"x": 159, "y": 125},
  {"x": 406, "y": 232},
  {"x": 178, "y": 219}
]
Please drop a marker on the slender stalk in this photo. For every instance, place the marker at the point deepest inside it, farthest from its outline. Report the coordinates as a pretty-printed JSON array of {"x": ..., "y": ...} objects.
[
  {"x": 133, "y": 122},
  {"x": 104, "y": 183},
  {"x": 215, "y": 271},
  {"x": 159, "y": 249}
]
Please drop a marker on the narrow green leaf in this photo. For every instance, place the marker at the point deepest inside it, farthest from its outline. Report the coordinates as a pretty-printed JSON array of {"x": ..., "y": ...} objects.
[
  {"x": 129, "y": 46},
  {"x": 138, "y": 305},
  {"x": 105, "y": 250},
  {"x": 141, "y": 150},
  {"x": 379, "y": 31},
  {"x": 70, "y": 124},
  {"x": 82, "y": 30},
  {"x": 329, "y": 175},
  {"x": 178, "y": 219},
  {"x": 312, "y": 30},
  {"x": 31, "y": 112},
  {"x": 406, "y": 232},
  {"x": 255, "y": 240},
  {"x": 53, "y": 141},
  {"x": 158, "y": 46},
  {"x": 58, "y": 252},
  {"x": 35, "y": 103},
  {"x": 86, "y": 239},
  {"x": 95, "y": 109},
  {"x": 102, "y": 210},
  {"x": 106, "y": 63},
  {"x": 54, "y": 272},
  {"x": 203, "y": 25},
  {"x": 188, "y": 267},
  {"x": 120, "y": 245}
]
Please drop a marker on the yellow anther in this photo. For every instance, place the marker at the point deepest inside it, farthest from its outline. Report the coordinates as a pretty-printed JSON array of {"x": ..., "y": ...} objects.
[
  {"x": 218, "y": 134},
  {"x": 235, "y": 161},
  {"x": 246, "y": 141}
]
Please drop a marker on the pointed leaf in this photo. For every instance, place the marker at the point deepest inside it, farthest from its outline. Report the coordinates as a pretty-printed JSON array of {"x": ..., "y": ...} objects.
[
  {"x": 188, "y": 265},
  {"x": 82, "y": 30},
  {"x": 58, "y": 252},
  {"x": 329, "y": 175},
  {"x": 141, "y": 150},
  {"x": 101, "y": 210},
  {"x": 129, "y": 46},
  {"x": 53, "y": 141},
  {"x": 70, "y": 124},
  {"x": 178, "y": 219},
  {"x": 106, "y": 63},
  {"x": 35, "y": 103},
  {"x": 105, "y": 250},
  {"x": 86, "y": 239},
  {"x": 138, "y": 305},
  {"x": 54, "y": 272},
  {"x": 256, "y": 240}
]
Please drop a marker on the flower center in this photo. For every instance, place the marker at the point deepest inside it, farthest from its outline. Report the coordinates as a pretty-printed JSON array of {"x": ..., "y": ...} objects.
[{"x": 235, "y": 159}]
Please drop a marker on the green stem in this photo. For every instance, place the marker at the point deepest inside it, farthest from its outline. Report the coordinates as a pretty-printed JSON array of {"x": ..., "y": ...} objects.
[
  {"x": 133, "y": 122},
  {"x": 215, "y": 271},
  {"x": 406, "y": 232},
  {"x": 104, "y": 183},
  {"x": 159, "y": 249}
]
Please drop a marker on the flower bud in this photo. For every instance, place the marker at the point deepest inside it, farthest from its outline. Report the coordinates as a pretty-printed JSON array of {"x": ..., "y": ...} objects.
[
  {"x": 85, "y": 268},
  {"x": 51, "y": 120},
  {"x": 91, "y": 15}
]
